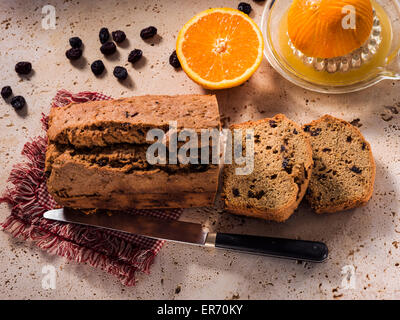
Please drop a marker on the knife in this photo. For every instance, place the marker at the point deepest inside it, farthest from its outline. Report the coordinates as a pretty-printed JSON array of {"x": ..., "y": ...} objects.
[{"x": 194, "y": 233}]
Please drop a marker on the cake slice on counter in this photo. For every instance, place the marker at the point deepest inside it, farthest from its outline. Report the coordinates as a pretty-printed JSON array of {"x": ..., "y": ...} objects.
[
  {"x": 344, "y": 168},
  {"x": 96, "y": 156},
  {"x": 282, "y": 170}
]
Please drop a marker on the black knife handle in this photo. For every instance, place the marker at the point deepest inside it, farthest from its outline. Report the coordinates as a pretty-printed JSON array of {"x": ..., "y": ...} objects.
[{"x": 275, "y": 247}]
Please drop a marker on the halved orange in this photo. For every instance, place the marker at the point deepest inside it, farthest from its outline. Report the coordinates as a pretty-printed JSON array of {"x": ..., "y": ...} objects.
[
  {"x": 220, "y": 48},
  {"x": 319, "y": 28}
]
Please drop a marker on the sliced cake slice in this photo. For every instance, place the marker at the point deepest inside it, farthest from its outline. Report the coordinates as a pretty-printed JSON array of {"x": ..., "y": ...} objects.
[
  {"x": 344, "y": 168},
  {"x": 282, "y": 170}
]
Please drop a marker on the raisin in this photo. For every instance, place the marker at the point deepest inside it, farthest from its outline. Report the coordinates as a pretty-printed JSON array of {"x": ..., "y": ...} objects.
[
  {"x": 258, "y": 195},
  {"x": 326, "y": 150},
  {"x": 104, "y": 35},
  {"x": 363, "y": 146},
  {"x": 272, "y": 123},
  {"x": 349, "y": 139},
  {"x": 148, "y": 32},
  {"x": 315, "y": 132},
  {"x": 244, "y": 7},
  {"x": 174, "y": 61},
  {"x": 108, "y": 48},
  {"x": 306, "y": 128},
  {"x": 355, "y": 169},
  {"x": 274, "y": 176},
  {"x": 118, "y": 36},
  {"x": 75, "y": 42},
  {"x": 18, "y": 102},
  {"x": 285, "y": 162},
  {"x": 135, "y": 55},
  {"x": 356, "y": 122},
  {"x": 120, "y": 73},
  {"x": 236, "y": 192},
  {"x": 97, "y": 67},
  {"x": 23, "y": 67},
  {"x": 6, "y": 92},
  {"x": 102, "y": 162},
  {"x": 73, "y": 53},
  {"x": 283, "y": 148},
  {"x": 295, "y": 131},
  {"x": 286, "y": 165}
]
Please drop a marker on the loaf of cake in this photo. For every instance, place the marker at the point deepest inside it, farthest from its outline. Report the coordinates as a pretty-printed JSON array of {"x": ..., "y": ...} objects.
[
  {"x": 344, "y": 168},
  {"x": 282, "y": 171},
  {"x": 96, "y": 156}
]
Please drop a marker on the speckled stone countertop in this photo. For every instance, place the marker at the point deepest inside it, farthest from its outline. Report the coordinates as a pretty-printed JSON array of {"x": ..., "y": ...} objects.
[{"x": 363, "y": 243}]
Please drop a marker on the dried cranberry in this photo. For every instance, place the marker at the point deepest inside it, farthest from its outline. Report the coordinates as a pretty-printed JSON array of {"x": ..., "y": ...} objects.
[
  {"x": 244, "y": 7},
  {"x": 118, "y": 36},
  {"x": 108, "y": 48},
  {"x": 135, "y": 55},
  {"x": 18, "y": 102},
  {"x": 6, "y": 92},
  {"x": 120, "y": 73},
  {"x": 174, "y": 61},
  {"x": 75, "y": 42},
  {"x": 104, "y": 35},
  {"x": 23, "y": 67},
  {"x": 97, "y": 67},
  {"x": 149, "y": 32},
  {"x": 73, "y": 53}
]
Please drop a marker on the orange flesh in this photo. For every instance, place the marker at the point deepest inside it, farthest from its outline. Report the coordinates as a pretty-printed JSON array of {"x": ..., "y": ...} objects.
[
  {"x": 315, "y": 26},
  {"x": 220, "y": 46}
]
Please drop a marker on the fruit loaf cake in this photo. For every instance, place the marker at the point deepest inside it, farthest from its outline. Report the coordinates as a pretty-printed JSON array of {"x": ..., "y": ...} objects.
[
  {"x": 96, "y": 156},
  {"x": 344, "y": 168},
  {"x": 282, "y": 170}
]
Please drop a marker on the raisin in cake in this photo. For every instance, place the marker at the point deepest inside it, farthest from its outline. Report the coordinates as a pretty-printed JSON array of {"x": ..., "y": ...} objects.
[
  {"x": 96, "y": 156},
  {"x": 344, "y": 168},
  {"x": 282, "y": 170}
]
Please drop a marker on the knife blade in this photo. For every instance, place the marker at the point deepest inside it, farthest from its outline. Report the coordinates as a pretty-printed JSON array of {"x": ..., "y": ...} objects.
[{"x": 195, "y": 234}]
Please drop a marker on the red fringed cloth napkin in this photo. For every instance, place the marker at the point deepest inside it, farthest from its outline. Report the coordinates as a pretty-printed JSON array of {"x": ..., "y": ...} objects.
[{"x": 117, "y": 253}]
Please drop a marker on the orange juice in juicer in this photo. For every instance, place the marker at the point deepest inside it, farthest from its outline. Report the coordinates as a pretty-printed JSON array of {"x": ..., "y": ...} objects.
[{"x": 333, "y": 46}]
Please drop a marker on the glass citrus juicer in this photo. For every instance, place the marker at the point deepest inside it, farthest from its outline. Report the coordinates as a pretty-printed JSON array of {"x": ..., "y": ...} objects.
[{"x": 333, "y": 46}]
